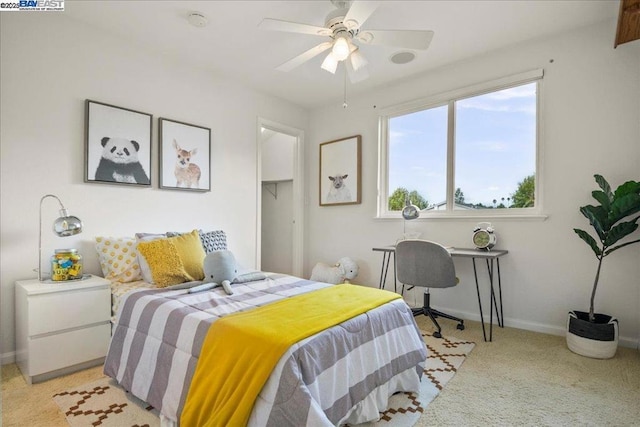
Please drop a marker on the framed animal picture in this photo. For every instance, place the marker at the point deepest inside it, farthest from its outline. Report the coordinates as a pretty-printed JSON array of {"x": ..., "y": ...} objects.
[
  {"x": 117, "y": 145},
  {"x": 185, "y": 156},
  {"x": 340, "y": 171}
]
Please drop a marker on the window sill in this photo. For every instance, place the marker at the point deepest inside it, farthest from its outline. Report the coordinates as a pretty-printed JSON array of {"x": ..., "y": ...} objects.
[{"x": 468, "y": 217}]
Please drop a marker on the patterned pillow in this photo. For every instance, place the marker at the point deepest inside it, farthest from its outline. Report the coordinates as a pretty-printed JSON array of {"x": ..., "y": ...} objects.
[
  {"x": 164, "y": 262},
  {"x": 118, "y": 258},
  {"x": 213, "y": 240}
]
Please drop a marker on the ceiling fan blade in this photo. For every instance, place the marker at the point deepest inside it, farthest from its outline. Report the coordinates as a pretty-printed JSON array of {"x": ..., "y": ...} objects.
[
  {"x": 292, "y": 27},
  {"x": 356, "y": 76},
  {"x": 304, "y": 57},
  {"x": 359, "y": 12},
  {"x": 408, "y": 39}
]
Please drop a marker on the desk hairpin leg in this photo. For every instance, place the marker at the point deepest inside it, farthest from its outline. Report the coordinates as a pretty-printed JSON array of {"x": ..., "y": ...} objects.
[
  {"x": 501, "y": 324},
  {"x": 386, "y": 259},
  {"x": 475, "y": 274},
  {"x": 383, "y": 276},
  {"x": 494, "y": 300},
  {"x": 395, "y": 274}
]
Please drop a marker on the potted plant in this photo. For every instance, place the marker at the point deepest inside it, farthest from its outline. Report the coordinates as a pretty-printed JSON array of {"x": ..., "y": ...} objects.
[{"x": 593, "y": 334}]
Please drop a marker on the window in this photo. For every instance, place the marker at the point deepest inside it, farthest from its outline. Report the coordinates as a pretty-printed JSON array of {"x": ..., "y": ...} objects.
[{"x": 472, "y": 152}]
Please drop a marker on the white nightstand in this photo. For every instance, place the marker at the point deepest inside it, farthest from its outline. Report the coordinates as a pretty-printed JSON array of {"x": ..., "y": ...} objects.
[{"x": 61, "y": 327}]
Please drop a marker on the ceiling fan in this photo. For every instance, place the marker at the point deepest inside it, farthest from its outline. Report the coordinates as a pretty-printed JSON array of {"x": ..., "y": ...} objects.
[{"x": 343, "y": 27}]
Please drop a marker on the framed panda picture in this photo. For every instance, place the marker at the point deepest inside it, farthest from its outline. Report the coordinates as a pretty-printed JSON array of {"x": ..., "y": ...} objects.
[{"x": 118, "y": 145}]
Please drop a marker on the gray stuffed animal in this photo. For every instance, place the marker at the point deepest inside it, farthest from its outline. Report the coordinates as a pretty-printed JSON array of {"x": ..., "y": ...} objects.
[{"x": 220, "y": 269}]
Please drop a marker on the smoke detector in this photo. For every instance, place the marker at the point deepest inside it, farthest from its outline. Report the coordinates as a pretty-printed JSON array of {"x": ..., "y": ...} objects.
[{"x": 197, "y": 19}]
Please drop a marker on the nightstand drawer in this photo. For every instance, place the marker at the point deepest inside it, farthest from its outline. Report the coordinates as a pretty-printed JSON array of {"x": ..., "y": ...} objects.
[
  {"x": 66, "y": 310},
  {"x": 69, "y": 348},
  {"x": 61, "y": 327}
]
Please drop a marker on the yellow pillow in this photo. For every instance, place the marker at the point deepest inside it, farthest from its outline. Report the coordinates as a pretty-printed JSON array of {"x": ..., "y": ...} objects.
[
  {"x": 191, "y": 253},
  {"x": 164, "y": 262}
]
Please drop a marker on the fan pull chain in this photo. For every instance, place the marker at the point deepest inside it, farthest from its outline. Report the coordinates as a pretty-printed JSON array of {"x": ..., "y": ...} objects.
[{"x": 344, "y": 103}]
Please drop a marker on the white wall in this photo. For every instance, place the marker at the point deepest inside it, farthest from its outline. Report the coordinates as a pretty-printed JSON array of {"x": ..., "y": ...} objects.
[
  {"x": 590, "y": 124},
  {"x": 277, "y": 227},
  {"x": 277, "y": 156},
  {"x": 277, "y": 201},
  {"x": 50, "y": 65}
]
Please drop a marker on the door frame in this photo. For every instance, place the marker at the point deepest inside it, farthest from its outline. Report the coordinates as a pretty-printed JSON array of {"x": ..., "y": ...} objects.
[{"x": 297, "y": 244}]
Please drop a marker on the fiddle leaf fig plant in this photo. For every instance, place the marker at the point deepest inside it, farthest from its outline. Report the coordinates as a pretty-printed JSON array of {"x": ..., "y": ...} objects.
[{"x": 611, "y": 220}]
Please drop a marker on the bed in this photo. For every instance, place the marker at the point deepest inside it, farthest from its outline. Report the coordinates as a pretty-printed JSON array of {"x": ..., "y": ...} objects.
[
  {"x": 158, "y": 336},
  {"x": 341, "y": 375}
]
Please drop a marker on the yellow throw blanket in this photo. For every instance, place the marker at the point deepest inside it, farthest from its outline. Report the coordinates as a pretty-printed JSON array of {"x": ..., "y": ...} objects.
[{"x": 241, "y": 350}]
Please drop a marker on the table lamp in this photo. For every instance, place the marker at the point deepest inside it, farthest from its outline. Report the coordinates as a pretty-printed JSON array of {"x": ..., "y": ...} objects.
[
  {"x": 409, "y": 212},
  {"x": 66, "y": 225}
]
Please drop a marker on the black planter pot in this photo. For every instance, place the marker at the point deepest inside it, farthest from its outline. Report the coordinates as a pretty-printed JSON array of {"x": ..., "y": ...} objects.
[{"x": 597, "y": 339}]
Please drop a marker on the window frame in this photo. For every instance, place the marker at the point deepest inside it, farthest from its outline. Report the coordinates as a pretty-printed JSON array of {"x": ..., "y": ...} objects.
[{"x": 449, "y": 98}]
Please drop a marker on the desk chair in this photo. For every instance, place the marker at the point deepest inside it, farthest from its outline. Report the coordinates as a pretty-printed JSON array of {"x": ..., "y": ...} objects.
[{"x": 428, "y": 265}]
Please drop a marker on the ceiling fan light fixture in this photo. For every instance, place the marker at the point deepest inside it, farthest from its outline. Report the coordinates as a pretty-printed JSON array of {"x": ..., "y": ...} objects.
[
  {"x": 341, "y": 48},
  {"x": 358, "y": 60},
  {"x": 330, "y": 63},
  {"x": 344, "y": 36}
]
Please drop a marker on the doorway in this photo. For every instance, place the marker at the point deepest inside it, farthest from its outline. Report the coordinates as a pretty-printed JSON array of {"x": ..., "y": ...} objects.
[{"x": 280, "y": 200}]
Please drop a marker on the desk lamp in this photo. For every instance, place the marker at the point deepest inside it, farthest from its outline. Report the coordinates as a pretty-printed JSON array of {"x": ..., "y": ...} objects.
[
  {"x": 66, "y": 225},
  {"x": 409, "y": 212}
]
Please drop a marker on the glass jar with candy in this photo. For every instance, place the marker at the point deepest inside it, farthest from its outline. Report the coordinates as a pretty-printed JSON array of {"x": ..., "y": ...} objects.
[{"x": 66, "y": 264}]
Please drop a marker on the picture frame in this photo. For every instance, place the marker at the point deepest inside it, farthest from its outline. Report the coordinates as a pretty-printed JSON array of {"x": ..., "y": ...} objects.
[
  {"x": 340, "y": 172},
  {"x": 184, "y": 156},
  {"x": 117, "y": 145}
]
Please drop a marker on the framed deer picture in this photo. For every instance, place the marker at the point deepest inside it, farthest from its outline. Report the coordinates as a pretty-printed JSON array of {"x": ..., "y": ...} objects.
[
  {"x": 184, "y": 156},
  {"x": 340, "y": 171}
]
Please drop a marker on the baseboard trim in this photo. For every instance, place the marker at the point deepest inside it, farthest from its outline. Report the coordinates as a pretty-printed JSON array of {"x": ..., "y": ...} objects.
[
  {"x": 628, "y": 342},
  {"x": 8, "y": 358}
]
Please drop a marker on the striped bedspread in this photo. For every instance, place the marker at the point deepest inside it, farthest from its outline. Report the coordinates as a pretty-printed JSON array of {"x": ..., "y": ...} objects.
[{"x": 342, "y": 374}]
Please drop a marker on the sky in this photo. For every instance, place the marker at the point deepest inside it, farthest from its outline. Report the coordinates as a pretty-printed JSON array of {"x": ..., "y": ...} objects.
[{"x": 495, "y": 147}]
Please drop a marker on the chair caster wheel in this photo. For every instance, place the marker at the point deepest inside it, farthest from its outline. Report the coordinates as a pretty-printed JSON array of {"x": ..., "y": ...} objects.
[
  {"x": 460, "y": 326},
  {"x": 437, "y": 335}
]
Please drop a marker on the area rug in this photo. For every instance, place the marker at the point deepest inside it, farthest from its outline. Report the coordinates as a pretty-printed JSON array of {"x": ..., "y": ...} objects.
[
  {"x": 103, "y": 403},
  {"x": 444, "y": 357}
]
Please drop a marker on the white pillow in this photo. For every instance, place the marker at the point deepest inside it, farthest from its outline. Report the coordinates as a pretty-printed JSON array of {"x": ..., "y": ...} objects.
[{"x": 118, "y": 258}]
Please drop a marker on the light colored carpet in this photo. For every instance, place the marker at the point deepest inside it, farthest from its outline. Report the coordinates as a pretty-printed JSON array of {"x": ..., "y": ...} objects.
[
  {"x": 520, "y": 379},
  {"x": 25, "y": 405},
  {"x": 525, "y": 378}
]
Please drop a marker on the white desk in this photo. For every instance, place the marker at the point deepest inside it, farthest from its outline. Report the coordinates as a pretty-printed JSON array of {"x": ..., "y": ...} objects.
[{"x": 488, "y": 256}]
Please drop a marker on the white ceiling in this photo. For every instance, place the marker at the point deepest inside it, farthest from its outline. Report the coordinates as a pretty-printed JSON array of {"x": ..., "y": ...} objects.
[{"x": 233, "y": 46}]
